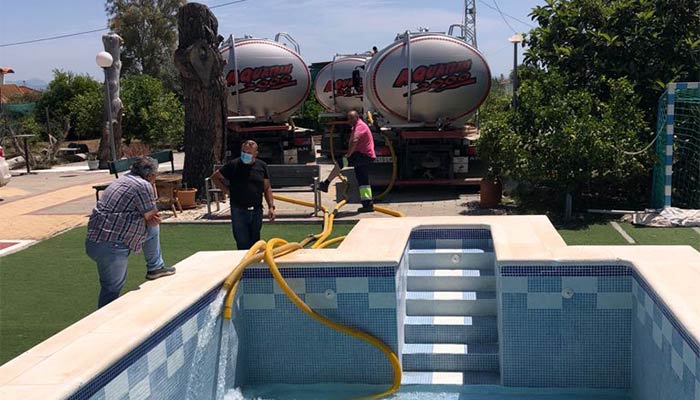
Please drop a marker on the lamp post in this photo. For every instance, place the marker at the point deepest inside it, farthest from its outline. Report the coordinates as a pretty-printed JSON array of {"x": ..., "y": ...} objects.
[
  {"x": 515, "y": 39},
  {"x": 104, "y": 61}
]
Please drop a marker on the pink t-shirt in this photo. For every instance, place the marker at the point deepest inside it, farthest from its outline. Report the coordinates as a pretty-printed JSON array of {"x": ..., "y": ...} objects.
[{"x": 365, "y": 141}]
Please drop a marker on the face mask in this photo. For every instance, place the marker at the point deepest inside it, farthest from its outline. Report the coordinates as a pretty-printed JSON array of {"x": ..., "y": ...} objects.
[{"x": 246, "y": 158}]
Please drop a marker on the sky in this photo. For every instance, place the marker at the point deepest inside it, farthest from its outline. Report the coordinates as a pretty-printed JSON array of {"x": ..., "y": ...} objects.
[{"x": 322, "y": 28}]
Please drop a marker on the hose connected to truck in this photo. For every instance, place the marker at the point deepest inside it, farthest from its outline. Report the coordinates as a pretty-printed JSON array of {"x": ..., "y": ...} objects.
[{"x": 268, "y": 251}]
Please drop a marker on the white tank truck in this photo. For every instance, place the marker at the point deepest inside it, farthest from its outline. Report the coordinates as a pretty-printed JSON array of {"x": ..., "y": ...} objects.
[
  {"x": 267, "y": 82},
  {"x": 338, "y": 89},
  {"x": 424, "y": 113}
]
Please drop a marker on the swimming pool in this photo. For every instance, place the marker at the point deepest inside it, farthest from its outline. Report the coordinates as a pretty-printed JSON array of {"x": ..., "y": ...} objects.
[{"x": 476, "y": 308}]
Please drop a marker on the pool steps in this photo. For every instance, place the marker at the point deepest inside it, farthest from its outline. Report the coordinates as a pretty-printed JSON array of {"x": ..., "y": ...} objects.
[{"x": 450, "y": 328}]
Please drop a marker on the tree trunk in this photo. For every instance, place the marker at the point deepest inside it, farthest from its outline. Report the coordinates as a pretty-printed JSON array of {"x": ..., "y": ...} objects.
[
  {"x": 112, "y": 43},
  {"x": 201, "y": 69}
]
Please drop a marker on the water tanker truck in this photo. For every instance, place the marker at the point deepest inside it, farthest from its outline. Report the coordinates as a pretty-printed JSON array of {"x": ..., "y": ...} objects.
[
  {"x": 266, "y": 82},
  {"x": 420, "y": 90}
]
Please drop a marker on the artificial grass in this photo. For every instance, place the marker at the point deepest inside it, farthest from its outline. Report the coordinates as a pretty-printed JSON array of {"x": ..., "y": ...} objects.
[
  {"x": 591, "y": 234},
  {"x": 53, "y": 284},
  {"x": 667, "y": 236}
]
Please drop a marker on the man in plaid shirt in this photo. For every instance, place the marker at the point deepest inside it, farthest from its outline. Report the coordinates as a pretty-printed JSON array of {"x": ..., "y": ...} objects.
[{"x": 126, "y": 219}]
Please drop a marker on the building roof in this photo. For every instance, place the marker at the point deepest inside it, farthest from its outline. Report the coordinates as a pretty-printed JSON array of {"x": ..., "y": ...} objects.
[
  {"x": 10, "y": 91},
  {"x": 4, "y": 70}
]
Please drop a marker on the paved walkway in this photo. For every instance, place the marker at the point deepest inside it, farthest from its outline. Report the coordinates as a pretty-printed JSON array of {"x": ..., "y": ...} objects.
[
  {"x": 36, "y": 207},
  {"x": 22, "y": 219},
  {"x": 41, "y": 205}
]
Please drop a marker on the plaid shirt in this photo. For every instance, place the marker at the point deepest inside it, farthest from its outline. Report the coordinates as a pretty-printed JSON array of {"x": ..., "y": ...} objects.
[{"x": 118, "y": 215}]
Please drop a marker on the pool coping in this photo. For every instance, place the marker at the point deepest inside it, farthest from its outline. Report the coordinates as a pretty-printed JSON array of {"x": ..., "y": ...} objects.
[{"x": 57, "y": 367}]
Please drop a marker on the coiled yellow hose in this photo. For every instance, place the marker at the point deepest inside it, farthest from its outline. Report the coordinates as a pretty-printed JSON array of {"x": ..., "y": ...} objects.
[
  {"x": 278, "y": 247},
  {"x": 331, "y": 242},
  {"x": 393, "y": 359}
]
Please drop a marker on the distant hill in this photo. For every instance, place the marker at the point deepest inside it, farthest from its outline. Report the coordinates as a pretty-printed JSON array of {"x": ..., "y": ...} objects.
[{"x": 36, "y": 84}]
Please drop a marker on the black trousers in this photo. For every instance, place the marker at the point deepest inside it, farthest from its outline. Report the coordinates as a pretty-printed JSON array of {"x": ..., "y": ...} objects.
[
  {"x": 246, "y": 225},
  {"x": 361, "y": 163}
]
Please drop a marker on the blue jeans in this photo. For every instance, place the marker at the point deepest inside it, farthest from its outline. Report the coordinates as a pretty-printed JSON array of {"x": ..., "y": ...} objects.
[
  {"x": 112, "y": 259},
  {"x": 246, "y": 225}
]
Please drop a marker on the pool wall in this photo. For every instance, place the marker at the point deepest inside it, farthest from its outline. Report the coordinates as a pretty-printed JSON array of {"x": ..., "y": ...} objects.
[
  {"x": 172, "y": 363},
  {"x": 665, "y": 361},
  {"x": 274, "y": 332},
  {"x": 548, "y": 340}
]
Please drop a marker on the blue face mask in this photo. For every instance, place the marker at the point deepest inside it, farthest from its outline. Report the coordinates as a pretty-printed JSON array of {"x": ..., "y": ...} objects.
[{"x": 247, "y": 158}]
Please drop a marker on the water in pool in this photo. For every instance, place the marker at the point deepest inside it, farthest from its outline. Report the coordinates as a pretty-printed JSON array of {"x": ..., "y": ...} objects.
[{"x": 417, "y": 392}]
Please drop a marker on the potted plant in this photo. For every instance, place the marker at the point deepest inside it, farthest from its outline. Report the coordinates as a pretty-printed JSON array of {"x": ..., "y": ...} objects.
[
  {"x": 187, "y": 197},
  {"x": 491, "y": 149},
  {"x": 93, "y": 162}
]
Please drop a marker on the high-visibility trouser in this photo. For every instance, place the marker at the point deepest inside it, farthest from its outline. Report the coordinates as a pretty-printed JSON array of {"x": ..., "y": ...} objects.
[
  {"x": 366, "y": 193},
  {"x": 362, "y": 176}
]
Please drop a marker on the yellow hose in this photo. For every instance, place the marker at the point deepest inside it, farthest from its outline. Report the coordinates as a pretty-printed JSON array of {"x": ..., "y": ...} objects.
[
  {"x": 389, "y": 211},
  {"x": 388, "y": 352},
  {"x": 394, "y": 170},
  {"x": 331, "y": 242},
  {"x": 394, "y": 162},
  {"x": 279, "y": 247}
]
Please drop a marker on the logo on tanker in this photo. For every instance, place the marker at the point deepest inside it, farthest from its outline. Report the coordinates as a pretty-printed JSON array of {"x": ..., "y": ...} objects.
[
  {"x": 343, "y": 88},
  {"x": 263, "y": 79},
  {"x": 437, "y": 77}
]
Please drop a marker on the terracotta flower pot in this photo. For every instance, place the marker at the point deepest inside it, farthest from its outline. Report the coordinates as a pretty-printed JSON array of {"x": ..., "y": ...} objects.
[
  {"x": 490, "y": 192},
  {"x": 187, "y": 198}
]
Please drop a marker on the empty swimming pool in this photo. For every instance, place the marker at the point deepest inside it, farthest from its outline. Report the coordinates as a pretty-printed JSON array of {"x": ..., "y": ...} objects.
[{"x": 486, "y": 308}]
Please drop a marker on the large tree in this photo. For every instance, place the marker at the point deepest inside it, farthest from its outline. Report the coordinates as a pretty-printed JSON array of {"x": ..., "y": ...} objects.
[
  {"x": 149, "y": 30},
  {"x": 648, "y": 42},
  {"x": 73, "y": 100},
  {"x": 151, "y": 113},
  {"x": 201, "y": 69}
]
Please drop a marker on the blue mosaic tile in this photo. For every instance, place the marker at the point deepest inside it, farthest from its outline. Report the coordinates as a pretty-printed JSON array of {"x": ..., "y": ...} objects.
[
  {"x": 667, "y": 313},
  {"x": 544, "y": 284},
  {"x": 325, "y": 272},
  {"x": 450, "y": 233},
  {"x": 575, "y": 344},
  {"x": 101, "y": 380},
  {"x": 464, "y": 238},
  {"x": 614, "y": 284},
  {"x": 320, "y": 285},
  {"x": 173, "y": 342},
  {"x": 565, "y": 270},
  {"x": 253, "y": 286},
  {"x": 382, "y": 285},
  {"x": 653, "y": 376}
]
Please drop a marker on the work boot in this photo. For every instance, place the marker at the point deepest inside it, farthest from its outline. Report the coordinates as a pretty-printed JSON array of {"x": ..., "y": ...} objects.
[
  {"x": 160, "y": 272},
  {"x": 323, "y": 186},
  {"x": 367, "y": 207}
]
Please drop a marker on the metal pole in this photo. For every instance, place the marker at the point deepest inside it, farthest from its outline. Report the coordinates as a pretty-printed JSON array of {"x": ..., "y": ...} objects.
[
  {"x": 26, "y": 155},
  {"x": 110, "y": 123},
  {"x": 409, "y": 99},
  {"x": 515, "y": 74},
  {"x": 335, "y": 104}
]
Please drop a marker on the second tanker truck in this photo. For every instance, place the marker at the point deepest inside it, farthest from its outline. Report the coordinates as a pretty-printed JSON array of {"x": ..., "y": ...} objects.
[{"x": 420, "y": 90}]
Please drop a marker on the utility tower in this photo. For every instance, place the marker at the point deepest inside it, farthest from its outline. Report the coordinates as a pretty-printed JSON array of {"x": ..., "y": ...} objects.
[{"x": 469, "y": 22}]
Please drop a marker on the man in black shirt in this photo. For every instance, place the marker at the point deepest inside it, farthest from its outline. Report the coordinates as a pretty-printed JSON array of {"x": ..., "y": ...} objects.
[{"x": 247, "y": 180}]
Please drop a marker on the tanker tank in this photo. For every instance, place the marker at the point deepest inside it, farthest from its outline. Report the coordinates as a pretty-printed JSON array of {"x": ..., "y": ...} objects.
[
  {"x": 448, "y": 82},
  {"x": 338, "y": 75},
  {"x": 264, "y": 79}
]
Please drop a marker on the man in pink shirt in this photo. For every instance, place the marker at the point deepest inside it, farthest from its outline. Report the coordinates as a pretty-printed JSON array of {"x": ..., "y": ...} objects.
[{"x": 360, "y": 155}]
